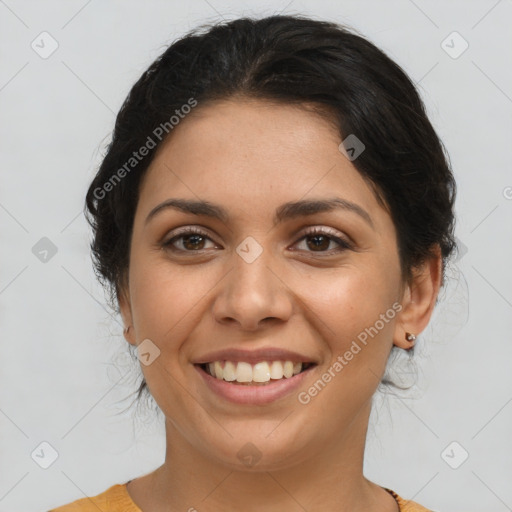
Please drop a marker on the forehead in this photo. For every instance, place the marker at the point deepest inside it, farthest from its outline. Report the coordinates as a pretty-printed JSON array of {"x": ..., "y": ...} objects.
[{"x": 251, "y": 153}]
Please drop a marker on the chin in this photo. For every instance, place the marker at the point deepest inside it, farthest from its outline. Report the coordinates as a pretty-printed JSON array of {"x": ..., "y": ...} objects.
[{"x": 259, "y": 453}]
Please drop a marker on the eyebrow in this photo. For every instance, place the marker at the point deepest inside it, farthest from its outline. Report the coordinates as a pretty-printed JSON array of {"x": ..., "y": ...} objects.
[{"x": 286, "y": 211}]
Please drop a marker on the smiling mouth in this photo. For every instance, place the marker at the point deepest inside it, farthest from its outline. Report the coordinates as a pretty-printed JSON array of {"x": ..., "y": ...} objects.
[{"x": 259, "y": 374}]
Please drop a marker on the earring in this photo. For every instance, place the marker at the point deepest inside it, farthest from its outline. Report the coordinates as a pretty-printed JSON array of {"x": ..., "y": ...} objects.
[{"x": 410, "y": 338}]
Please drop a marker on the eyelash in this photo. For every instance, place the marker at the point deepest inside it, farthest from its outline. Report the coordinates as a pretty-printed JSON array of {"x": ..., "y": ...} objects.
[{"x": 310, "y": 232}]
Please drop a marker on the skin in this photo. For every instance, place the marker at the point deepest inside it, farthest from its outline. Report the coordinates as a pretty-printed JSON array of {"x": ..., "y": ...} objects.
[{"x": 251, "y": 156}]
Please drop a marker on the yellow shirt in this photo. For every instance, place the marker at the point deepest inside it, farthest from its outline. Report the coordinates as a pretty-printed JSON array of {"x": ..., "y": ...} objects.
[{"x": 117, "y": 499}]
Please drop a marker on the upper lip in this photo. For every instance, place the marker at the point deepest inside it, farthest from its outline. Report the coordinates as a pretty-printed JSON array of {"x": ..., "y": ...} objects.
[{"x": 253, "y": 356}]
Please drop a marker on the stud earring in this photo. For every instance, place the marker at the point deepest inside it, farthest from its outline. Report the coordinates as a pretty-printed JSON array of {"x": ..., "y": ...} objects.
[{"x": 410, "y": 337}]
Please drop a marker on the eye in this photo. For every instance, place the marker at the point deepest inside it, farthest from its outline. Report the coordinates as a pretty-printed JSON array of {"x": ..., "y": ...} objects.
[
  {"x": 321, "y": 238},
  {"x": 190, "y": 239},
  {"x": 193, "y": 240}
]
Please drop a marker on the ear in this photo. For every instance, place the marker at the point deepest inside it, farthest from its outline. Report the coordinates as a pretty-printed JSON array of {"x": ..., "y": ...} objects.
[
  {"x": 419, "y": 299},
  {"x": 125, "y": 308}
]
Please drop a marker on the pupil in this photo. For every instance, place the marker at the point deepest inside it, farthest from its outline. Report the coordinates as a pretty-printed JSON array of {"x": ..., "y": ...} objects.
[
  {"x": 188, "y": 238},
  {"x": 320, "y": 245}
]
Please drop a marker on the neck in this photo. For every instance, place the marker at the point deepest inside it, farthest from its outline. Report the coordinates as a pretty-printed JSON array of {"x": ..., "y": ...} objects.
[{"x": 331, "y": 480}]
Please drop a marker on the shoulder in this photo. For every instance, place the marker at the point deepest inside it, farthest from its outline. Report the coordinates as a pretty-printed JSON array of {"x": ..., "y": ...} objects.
[
  {"x": 114, "y": 499},
  {"x": 408, "y": 505}
]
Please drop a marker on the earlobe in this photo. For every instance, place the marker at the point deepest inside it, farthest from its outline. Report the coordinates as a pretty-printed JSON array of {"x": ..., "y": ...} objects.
[
  {"x": 419, "y": 300},
  {"x": 126, "y": 315},
  {"x": 128, "y": 336}
]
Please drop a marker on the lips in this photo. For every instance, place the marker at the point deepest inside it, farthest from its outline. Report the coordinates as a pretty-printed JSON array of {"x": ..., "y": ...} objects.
[
  {"x": 254, "y": 356},
  {"x": 252, "y": 393},
  {"x": 253, "y": 376}
]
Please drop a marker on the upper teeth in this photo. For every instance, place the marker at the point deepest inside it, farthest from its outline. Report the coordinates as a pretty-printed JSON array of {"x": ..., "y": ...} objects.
[{"x": 259, "y": 372}]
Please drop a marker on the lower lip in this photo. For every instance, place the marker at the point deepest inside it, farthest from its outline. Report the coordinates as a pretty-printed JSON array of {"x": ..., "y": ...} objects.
[{"x": 256, "y": 394}]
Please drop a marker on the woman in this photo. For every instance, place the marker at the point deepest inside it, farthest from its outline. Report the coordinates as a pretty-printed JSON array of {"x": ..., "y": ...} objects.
[{"x": 273, "y": 217}]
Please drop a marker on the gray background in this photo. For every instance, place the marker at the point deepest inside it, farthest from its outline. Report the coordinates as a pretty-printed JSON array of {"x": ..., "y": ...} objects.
[{"x": 63, "y": 364}]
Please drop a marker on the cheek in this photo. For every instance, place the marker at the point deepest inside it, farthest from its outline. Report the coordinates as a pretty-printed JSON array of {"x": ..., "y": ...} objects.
[
  {"x": 167, "y": 305},
  {"x": 165, "y": 298},
  {"x": 355, "y": 316},
  {"x": 349, "y": 301},
  {"x": 169, "y": 301}
]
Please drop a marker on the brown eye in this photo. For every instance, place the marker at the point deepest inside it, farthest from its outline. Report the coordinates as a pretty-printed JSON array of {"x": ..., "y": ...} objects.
[
  {"x": 318, "y": 240},
  {"x": 190, "y": 240},
  {"x": 193, "y": 241}
]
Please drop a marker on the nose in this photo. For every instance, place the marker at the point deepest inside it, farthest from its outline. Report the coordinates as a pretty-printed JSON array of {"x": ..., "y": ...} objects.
[{"x": 253, "y": 294}]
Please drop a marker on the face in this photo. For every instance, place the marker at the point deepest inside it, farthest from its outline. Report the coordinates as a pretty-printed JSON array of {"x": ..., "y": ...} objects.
[{"x": 261, "y": 278}]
